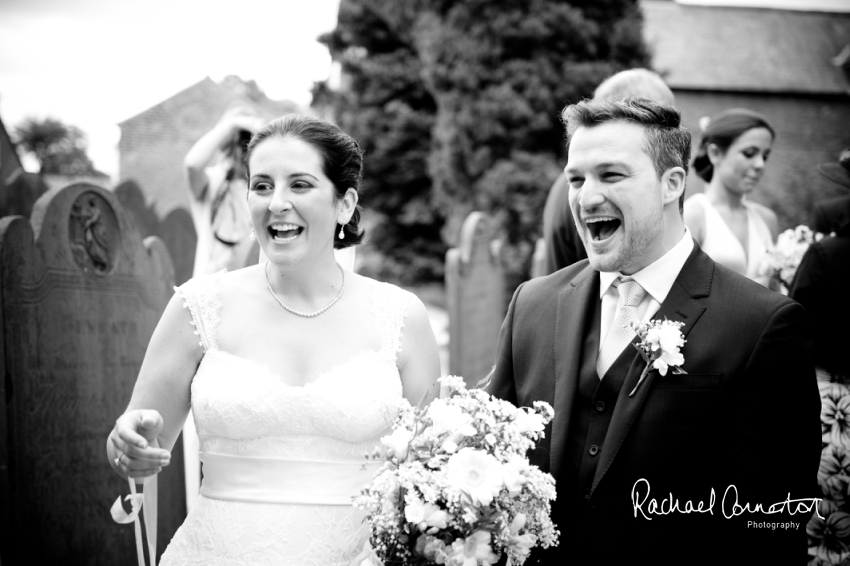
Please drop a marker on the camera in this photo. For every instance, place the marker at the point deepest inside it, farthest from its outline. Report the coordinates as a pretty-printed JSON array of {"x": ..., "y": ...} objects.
[{"x": 244, "y": 137}]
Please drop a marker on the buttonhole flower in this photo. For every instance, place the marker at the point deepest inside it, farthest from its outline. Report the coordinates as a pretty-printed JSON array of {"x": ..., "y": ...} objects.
[{"x": 660, "y": 341}]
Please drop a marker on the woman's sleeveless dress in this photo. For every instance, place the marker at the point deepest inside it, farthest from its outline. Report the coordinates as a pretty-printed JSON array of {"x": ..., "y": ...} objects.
[
  {"x": 282, "y": 463},
  {"x": 722, "y": 246}
]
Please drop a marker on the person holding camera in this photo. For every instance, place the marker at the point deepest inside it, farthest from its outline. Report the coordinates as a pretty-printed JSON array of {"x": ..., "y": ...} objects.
[
  {"x": 216, "y": 178},
  {"x": 215, "y": 174}
]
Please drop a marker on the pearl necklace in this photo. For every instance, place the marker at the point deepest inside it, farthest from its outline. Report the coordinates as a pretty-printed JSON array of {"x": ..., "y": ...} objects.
[{"x": 299, "y": 313}]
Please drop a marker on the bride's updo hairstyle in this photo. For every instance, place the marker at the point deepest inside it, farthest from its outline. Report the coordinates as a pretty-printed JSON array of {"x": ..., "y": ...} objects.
[
  {"x": 722, "y": 131},
  {"x": 342, "y": 159}
]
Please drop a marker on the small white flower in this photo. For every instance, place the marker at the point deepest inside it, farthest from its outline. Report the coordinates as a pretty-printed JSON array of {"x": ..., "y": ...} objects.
[
  {"x": 452, "y": 383},
  {"x": 476, "y": 473},
  {"x": 668, "y": 339},
  {"x": 449, "y": 418},
  {"x": 528, "y": 422},
  {"x": 513, "y": 474},
  {"x": 431, "y": 548},
  {"x": 449, "y": 446},
  {"x": 660, "y": 341},
  {"x": 398, "y": 442},
  {"x": 424, "y": 515},
  {"x": 473, "y": 550},
  {"x": 520, "y": 544},
  {"x": 508, "y": 409},
  {"x": 546, "y": 408}
]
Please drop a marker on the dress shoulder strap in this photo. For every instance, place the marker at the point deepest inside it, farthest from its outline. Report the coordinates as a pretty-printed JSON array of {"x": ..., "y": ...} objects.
[
  {"x": 201, "y": 297},
  {"x": 390, "y": 305}
]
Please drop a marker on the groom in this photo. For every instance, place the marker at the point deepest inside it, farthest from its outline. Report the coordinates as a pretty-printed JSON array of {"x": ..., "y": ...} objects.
[{"x": 668, "y": 471}]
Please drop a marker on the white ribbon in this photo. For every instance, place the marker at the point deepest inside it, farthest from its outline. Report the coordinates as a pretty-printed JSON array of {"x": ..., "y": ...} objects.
[{"x": 137, "y": 501}]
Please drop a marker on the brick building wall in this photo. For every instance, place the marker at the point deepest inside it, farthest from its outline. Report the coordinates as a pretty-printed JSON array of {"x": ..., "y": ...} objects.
[{"x": 154, "y": 143}]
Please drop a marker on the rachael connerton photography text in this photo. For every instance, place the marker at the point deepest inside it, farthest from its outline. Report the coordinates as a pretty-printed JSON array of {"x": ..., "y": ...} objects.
[{"x": 730, "y": 505}]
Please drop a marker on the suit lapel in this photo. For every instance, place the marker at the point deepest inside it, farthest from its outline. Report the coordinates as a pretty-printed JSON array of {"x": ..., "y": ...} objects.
[
  {"x": 575, "y": 302},
  {"x": 682, "y": 304}
]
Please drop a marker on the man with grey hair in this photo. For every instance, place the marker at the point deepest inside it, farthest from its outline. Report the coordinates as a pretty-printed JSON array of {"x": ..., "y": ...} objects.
[
  {"x": 700, "y": 448},
  {"x": 563, "y": 246}
]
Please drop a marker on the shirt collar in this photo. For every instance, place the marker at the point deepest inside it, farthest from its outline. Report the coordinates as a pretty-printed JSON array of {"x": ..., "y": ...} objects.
[{"x": 658, "y": 277}]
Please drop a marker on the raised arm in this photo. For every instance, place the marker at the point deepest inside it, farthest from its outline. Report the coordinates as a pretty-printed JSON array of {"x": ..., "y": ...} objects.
[
  {"x": 216, "y": 140},
  {"x": 419, "y": 360},
  {"x": 144, "y": 435}
]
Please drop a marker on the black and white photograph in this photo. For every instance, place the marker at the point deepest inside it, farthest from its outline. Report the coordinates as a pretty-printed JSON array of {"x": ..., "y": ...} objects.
[{"x": 424, "y": 282}]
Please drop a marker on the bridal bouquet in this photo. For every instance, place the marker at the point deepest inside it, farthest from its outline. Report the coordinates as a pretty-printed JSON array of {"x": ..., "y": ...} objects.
[
  {"x": 781, "y": 262},
  {"x": 456, "y": 487}
]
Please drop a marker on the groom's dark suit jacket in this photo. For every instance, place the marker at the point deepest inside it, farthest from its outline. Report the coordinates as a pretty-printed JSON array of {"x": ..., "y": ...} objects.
[{"x": 745, "y": 415}]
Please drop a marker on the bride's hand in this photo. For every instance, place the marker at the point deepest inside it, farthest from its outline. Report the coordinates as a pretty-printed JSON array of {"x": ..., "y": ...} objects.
[{"x": 133, "y": 446}]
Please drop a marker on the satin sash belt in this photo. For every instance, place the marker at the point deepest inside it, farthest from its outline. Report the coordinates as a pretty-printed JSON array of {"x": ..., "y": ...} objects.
[{"x": 275, "y": 480}]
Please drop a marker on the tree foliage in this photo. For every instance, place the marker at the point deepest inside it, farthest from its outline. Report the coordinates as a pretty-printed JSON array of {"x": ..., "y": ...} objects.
[
  {"x": 384, "y": 104},
  {"x": 458, "y": 102},
  {"x": 58, "y": 147}
]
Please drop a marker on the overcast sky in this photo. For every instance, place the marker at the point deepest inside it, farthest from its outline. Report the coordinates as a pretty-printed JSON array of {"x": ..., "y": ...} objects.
[{"x": 94, "y": 63}]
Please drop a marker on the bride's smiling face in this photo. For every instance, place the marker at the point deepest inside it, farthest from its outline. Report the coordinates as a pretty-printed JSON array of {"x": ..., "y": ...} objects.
[{"x": 292, "y": 203}]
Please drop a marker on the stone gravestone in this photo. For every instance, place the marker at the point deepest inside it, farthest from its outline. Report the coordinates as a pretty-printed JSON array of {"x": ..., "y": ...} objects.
[
  {"x": 176, "y": 230},
  {"x": 81, "y": 295},
  {"x": 475, "y": 295}
]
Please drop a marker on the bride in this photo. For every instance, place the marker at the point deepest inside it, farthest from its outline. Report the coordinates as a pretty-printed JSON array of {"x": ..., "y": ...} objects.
[{"x": 294, "y": 369}]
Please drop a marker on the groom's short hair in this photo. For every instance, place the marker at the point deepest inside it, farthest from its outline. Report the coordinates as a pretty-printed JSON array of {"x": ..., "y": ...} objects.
[{"x": 667, "y": 141}]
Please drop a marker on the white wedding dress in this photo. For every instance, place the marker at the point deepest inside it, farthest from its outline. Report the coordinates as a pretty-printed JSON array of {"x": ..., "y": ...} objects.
[{"x": 282, "y": 463}]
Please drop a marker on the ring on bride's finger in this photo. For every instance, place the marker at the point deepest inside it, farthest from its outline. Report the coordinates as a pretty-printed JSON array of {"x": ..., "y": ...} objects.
[{"x": 117, "y": 460}]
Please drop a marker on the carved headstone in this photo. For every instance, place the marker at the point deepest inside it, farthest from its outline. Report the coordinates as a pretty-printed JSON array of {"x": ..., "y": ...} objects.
[
  {"x": 80, "y": 295},
  {"x": 475, "y": 296}
]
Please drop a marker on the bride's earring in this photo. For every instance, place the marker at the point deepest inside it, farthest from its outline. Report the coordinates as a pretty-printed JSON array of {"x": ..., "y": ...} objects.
[
  {"x": 252, "y": 236},
  {"x": 341, "y": 232}
]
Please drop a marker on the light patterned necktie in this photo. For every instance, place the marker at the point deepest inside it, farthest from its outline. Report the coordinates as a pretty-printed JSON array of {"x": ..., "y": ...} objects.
[{"x": 620, "y": 333}]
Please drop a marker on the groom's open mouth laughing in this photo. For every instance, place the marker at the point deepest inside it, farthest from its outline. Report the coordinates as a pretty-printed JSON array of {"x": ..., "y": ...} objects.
[
  {"x": 601, "y": 228},
  {"x": 284, "y": 232}
]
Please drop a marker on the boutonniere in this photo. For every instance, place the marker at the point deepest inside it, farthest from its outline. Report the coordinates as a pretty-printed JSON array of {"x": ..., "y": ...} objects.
[{"x": 659, "y": 345}]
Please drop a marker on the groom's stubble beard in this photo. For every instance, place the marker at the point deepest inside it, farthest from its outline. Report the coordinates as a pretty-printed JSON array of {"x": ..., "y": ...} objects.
[{"x": 641, "y": 237}]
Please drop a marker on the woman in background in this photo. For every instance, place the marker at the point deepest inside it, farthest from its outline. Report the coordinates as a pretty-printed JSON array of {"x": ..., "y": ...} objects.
[
  {"x": 730, "y": 228},
  {"x": 295, "y": 369}
]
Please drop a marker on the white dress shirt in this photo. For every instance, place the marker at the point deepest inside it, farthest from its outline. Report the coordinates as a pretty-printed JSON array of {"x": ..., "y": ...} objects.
[{"x": 656, "y": 278}]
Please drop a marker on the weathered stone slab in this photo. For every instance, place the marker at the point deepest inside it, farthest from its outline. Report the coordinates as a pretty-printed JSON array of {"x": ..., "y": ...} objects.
[
  {"x": 81, "y": 294},
  {"x": 475, "y": 297},
  {"x": 176, "y": 230}
]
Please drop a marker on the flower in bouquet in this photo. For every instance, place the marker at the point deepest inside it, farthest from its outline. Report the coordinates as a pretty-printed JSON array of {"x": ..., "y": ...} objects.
[
  {"x": 827, "y": 532},
  {"x": 456, "y": 487},
  {"x": 781, "y": 261},
  {"x": 660, "y": 344},
  {"x": 835, "y": 415}
]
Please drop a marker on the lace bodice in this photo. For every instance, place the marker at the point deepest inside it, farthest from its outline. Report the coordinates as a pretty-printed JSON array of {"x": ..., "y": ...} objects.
[{"x": 243, "y": 408}]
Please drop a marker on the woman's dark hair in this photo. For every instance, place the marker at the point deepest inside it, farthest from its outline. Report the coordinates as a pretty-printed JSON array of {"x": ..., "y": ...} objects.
[
  {"x": 342, "y": 159},
  {"x": 722, "y": 131}
]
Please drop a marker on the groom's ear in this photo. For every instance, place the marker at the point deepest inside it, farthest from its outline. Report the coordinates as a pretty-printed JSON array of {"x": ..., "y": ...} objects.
[{"x": 673, "y": 184}]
